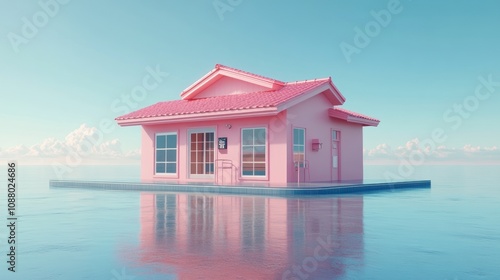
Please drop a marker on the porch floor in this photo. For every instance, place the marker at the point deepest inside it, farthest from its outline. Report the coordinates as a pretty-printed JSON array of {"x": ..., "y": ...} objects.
[{"x": 246, "y": 188}]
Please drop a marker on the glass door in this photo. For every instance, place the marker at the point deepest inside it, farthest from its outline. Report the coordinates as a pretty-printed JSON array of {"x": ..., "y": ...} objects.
[{"x": 201, "y": 154}]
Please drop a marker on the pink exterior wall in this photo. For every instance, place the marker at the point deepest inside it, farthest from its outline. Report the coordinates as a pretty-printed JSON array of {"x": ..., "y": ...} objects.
[
  {"x": 312, "y": 115},
  {"x": 276, "y": 147},
  {"x": 229, "y": 86},
  {"x": 351, "y": 149}
]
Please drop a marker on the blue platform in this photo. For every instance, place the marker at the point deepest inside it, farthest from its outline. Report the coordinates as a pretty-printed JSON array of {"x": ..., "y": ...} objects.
[{"x": 291, "y": 189}]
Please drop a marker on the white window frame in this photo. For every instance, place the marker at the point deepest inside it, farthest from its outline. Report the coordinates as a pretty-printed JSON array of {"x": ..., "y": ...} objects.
[
  {"x": 176, "y": 149},
  {"x": 337, "y": 135},
  {"x": 336, "y": 141},
  {"x": 266, "y": 152},
  {"x": 299, "y": 145}
]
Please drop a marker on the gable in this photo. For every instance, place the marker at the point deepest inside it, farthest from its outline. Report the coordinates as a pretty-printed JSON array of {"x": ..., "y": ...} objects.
[
  {"x": 227, "y": 80},
  {"x": 320, "y": 107},
  {"x": 312, "y": 108},
  {"x": 325, "y": 88},
  {"x": 229, "y": 86}
]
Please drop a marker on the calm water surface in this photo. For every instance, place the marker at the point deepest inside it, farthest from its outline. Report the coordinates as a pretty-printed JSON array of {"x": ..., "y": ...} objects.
[{"x": 451, "y": 231}]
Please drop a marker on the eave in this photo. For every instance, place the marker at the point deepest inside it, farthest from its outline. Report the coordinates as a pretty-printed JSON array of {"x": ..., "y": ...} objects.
[
  {"x": 209, "y": 116},
  {"x": 352, "y": 119}
]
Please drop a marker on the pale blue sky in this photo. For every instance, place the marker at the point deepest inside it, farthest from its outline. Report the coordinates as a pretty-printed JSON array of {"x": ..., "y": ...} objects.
[{"x": 427, "y": 58}]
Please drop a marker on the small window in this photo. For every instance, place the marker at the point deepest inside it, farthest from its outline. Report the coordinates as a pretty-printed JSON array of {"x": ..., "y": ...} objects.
[
  {"x": 166, "y": 153},
  {"x": 299, "y": 145},
  {"x": 335, "y": 135},
  {"x": 253, "y": 152}
]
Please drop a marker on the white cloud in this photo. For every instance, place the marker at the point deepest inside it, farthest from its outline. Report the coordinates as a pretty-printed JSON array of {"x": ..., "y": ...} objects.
[
  {"x": 16, "y": 150},
  {"x": 382, "y": 150},
  {"x": 85, "y": 141},
  {"x": 469, "y": 154}
]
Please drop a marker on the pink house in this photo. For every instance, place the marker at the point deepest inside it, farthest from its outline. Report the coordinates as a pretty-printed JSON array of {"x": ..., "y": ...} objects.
[{"x": 233, "y": 127}]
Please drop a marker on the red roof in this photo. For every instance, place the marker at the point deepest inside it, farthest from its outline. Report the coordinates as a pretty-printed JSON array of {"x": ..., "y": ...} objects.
[
  {"x": 273, "y": 97},
  {"x": 253, "y": 100},
  {"x": 351, "y": 116}
]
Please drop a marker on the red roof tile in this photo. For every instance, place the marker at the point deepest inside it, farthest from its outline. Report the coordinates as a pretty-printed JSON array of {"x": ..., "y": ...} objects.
[
  {"x": 344, "y": 114},
  {"x": 262, "y": 99}
]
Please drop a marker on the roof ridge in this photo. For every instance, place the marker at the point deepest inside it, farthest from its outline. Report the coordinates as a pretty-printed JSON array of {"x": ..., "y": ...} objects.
[
  {"x": 308, "y": 81},
  {"x": 221, "y": 66}
]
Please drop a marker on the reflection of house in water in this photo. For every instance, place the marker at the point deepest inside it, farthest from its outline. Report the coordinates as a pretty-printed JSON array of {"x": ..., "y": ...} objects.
[{"x": 223, "y": 237}]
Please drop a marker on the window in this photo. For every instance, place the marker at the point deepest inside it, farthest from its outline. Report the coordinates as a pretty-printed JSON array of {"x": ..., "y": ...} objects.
[
  {"x": 335, "y": 149},
  {"x": 299, "y": 144},
  {"x": 335, "y": 135},
  {"x": 253, "y": 152},
  {"x": 166, "y": 153}
]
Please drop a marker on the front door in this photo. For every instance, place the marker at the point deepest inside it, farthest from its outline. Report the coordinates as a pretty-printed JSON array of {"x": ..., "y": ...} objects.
[
  {"x": 335, "y": 155},
  {"x": 201, "y": 154}
]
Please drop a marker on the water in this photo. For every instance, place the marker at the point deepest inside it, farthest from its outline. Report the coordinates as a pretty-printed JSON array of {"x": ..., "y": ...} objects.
[{"x": 451, "y": 231}]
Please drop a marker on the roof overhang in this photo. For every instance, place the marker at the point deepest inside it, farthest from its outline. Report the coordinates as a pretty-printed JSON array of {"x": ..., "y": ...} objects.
[
  {"x": 210, "y": 116},
  {"x": 329, "y": 90},
  {"x": 352, "y": 118},
  {"x": 336, "y": 92}
]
